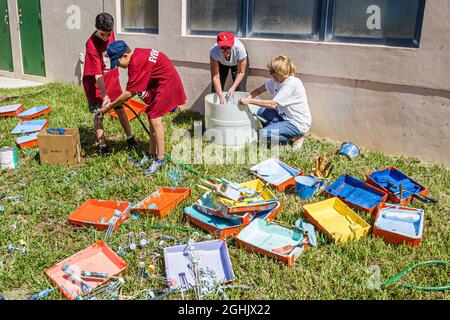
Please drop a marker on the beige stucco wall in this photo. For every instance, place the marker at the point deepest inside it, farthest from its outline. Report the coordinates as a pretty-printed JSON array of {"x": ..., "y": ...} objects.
[{"x": 395, "y": 100}]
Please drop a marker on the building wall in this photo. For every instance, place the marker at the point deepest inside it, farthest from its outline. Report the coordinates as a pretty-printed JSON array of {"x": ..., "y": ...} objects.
[{"x": 395, "y": 100}]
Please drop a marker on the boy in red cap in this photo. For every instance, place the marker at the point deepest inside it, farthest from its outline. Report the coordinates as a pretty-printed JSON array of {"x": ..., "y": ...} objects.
[
  {"x": 152, "y": 76},
  {"x": 101, "y": 84},
  {"x": 228, "y": 54}
]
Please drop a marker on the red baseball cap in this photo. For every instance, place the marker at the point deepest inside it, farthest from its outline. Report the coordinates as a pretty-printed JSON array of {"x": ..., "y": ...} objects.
[{"x": 225, "y": 39}]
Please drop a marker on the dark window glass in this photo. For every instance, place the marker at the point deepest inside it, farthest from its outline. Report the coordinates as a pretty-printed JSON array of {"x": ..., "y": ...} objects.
[
  {"x": 382, "y": 19},
  {"x": 140, "y": 15},
  {"x": 214, "y": 16},
  {"x": 285, "y": 17}
]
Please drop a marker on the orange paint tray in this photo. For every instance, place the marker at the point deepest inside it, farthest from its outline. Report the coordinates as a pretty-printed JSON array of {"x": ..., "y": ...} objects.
[
  {"x": 12, "y": 110},
  {"x": 139, "y": 108},
  {"x": 30, "y": 141},
  {"x": 96, "y": 258},
  {"x": 97, "y": 213},
  {"x": 34, "y": 112},
  {"x": 160, "y": 203}
]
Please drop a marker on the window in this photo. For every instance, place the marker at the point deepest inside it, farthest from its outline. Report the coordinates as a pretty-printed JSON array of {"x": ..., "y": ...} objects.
[
  {"x": 140, "y": 16},
  {"x": 284, "y": 18},
  {"x": 377, "y": 21},
  {"x": 390, "y": 22},
  {"x": 213, "y": 16}
]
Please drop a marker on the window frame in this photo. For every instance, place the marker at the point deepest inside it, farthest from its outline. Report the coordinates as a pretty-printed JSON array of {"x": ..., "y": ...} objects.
[
  {"x": 392, "y": 42},
  {"x": 136, "y": 30}
]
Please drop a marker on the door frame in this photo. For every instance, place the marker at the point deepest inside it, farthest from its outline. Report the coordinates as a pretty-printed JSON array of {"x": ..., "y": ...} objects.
[{"x": 18, "y": 72}]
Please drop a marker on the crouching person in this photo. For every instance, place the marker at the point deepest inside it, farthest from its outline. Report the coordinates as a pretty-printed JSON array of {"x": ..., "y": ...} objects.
[
  {"x": 287, "y": 116},
  {"x": 151, "y": 76}
]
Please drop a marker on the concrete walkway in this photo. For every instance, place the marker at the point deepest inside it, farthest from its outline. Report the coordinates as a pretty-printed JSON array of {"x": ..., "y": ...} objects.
[{"x": 11, "y": 83}]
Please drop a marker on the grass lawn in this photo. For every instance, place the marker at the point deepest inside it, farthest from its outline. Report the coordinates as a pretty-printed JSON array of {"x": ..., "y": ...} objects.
[{"x": 48, "y": 194}]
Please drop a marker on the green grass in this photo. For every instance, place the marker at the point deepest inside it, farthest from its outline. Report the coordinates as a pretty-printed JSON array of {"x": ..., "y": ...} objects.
[{"x": 48, "y": 194}]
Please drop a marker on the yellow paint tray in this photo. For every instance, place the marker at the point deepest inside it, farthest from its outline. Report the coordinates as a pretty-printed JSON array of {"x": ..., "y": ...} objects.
[
  {"x": 337, "y": 220},
  {"x": 265, "y": 196}
]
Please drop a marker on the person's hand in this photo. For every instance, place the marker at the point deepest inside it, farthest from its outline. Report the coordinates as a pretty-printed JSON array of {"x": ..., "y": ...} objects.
[
  {"x": 101, "y": 111},
  {"x": 245, "y": 100},
  {"x": 106, "y": 101},
  {"x": 222, "y": 99},
  {"x": 230, "y": 94}
]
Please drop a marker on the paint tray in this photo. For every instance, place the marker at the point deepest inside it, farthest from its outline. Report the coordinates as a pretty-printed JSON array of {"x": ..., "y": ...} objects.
[
  {"x": 212, "y": 254},
  {"x": 12, "y": 110},
  {"x": 337, "y": 220},
  {"x": 389, "y": 180},
  {"x": 277, "y": 173},
  {"x": 30, "y": 126},
  {"x": 139, "y": 108},
  {"x": 96, "y": 258},
  {"x": 29, "y": 141},
  {"x": 223, "y": 228},
  {"x": 34, "y": 112},
  {"x": 398, "y": 225},
  {"x": 357, "y": 193},
  {"x": 263, "y": 237},
  {"x": 264, "y": 201},
  {"x": 162, "y": 201},
  {"x": 97, "y": 213}
]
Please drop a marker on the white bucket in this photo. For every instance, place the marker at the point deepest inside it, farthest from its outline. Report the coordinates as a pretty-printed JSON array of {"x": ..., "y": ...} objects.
[
  {"x": 9, "y": 158},
  {"x": 230, "y": 124}
]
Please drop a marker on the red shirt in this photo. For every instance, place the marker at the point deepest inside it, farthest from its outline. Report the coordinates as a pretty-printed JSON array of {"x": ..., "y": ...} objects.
[
  {"x": 97, "y": 62},
  {"x": 153, "y": 77}
]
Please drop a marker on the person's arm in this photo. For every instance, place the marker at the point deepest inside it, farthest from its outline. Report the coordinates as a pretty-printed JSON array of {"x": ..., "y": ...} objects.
[
  {"x": 124, "y": 97},
  {"x": 215, "y": 78},
  {"x": 101, "y": 85},
  {"x": 242, "y": 65},
  {"x": 268, "y": 104}
]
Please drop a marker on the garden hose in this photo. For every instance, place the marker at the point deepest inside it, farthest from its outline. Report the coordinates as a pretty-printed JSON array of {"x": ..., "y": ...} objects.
[
  {"x": 177, "y": 163},
  {"x": 185, "y": 229},
  {"x": 395, "y": 278}
]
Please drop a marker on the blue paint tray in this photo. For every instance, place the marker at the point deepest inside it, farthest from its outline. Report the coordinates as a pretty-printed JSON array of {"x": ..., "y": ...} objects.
[
  {"x": 30, "y": 126},
  {"x": 356, "y": 193},
  {"x": 390, "y": 179},
  {"x": 266, "y": 238},
  {"x": 223, "y": 228},
  {"x": 397, "y": 225},
  {"x": 277, "y": 173}
]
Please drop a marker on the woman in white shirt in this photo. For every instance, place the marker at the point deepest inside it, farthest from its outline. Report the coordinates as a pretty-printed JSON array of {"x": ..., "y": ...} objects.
[
  {"x": 287, "y": 115},
  {"x": 228, "y": 54}
]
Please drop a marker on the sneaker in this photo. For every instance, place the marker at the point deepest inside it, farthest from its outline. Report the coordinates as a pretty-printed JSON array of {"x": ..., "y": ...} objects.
[
  {"x": 154, "y": 167},
  {"x": 103, "y": 151},
  {"x": 146, "y": 159},
  {"x": 132, "y": 143},
  {"x": 298, "y": 144}
]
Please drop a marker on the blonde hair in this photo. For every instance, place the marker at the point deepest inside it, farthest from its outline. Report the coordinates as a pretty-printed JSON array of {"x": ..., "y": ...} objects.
[{"x": 282, "y": 65}]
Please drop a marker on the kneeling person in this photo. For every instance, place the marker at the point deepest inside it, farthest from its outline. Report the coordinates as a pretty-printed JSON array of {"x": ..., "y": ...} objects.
[{"x": 287, "y": 116}]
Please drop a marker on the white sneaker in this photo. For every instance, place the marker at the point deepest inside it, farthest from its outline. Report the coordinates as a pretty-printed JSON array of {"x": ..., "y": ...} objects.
[{"x": 298, "y": 144}]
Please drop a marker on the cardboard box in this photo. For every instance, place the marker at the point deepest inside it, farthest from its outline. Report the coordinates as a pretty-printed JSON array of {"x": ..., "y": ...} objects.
[{"x": 60, "y": 146}]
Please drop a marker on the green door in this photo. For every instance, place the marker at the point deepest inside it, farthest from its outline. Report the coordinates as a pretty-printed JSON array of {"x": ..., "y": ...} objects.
[
  {"x": 6, "y": 61},
  {"x": 31, "y": 37}
]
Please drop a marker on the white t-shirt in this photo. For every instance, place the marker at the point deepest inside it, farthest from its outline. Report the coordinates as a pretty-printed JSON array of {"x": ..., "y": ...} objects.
[
  {"x": 238, "y": 53},
  {"x": 292, "y": 102}
]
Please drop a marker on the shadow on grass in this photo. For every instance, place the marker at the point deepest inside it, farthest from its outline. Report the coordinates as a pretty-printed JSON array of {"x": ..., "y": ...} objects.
[{"x": 89, "y": 143}]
